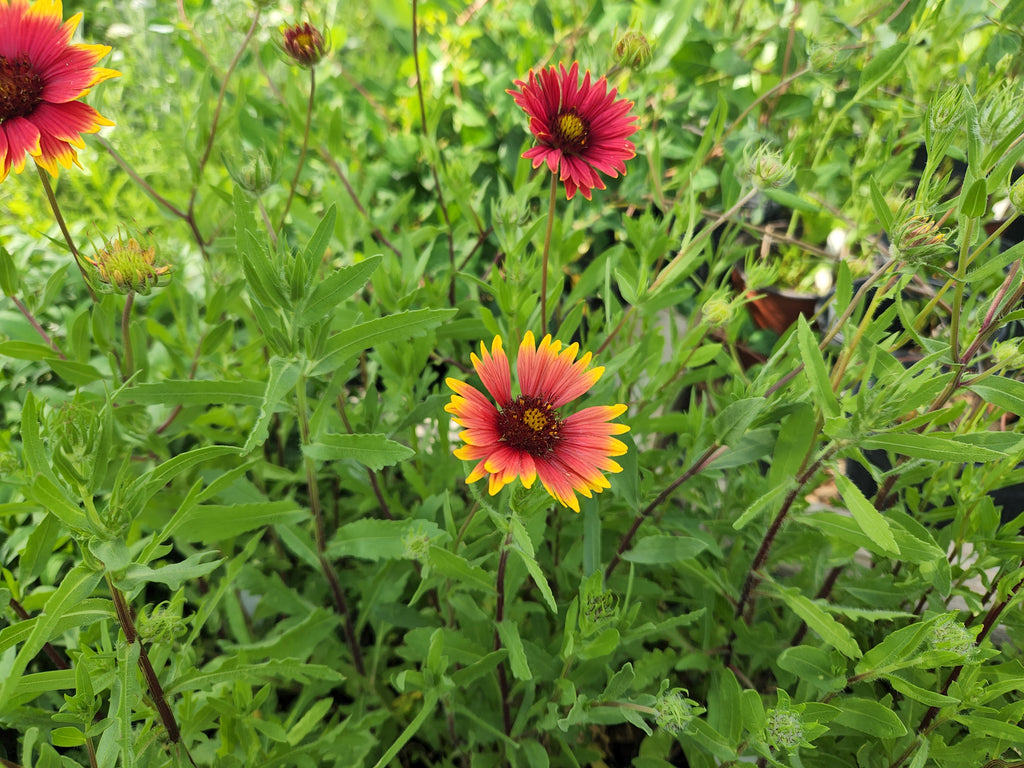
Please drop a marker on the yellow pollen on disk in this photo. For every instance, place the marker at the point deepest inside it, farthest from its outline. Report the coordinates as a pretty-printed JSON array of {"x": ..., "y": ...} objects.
[
  {"x": 572, "y": 127},
  {"x": 535, "y": 419}
]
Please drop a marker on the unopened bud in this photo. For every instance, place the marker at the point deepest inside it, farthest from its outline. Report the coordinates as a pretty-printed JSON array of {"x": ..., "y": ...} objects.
[
  {"x": 767, "y": 168},
  {"x": 633, "y": 50},
  {"x": 918, "y": 240},
  {"x": 946, "y": 112},
  {"x": 304, "y": 43},
  {"x": 673, "y": 711},
  {"x": 783, "y": 728},
  {"x": 717, "y": 311}
]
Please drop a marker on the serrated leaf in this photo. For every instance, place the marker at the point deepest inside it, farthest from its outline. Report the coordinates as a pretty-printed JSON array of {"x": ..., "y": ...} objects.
[
  {"x": 455, "y": 567},
  {"x": 75, "y": 587},
  {"x": 272, "y": 669},
  {"x": 869, "y": 519},
  {"x": 195, "y": 392},
  {"x": 655, "y": 550},
  {"x": 172, "y": 574},
  {"x": 819, "y": 620},
  {"x": 146, "y": 486},
  {"x": 734, "y": 420},
  {"x": 335, "y": 288},
  {"x": 814, "y": 369},
  {"x": 870, "y": 717},
  {"x": 375, "y": 451},
  {"x": 508, "y": 631},
  {"x": 283, "y": 376},
  {"x": 378, "y": 539},
  {"x": 344, "y": 346},
  {"x": 930, "y": 447},
  {"x": 209, "y": 523},
  {"x": 1001, "y": 392}
]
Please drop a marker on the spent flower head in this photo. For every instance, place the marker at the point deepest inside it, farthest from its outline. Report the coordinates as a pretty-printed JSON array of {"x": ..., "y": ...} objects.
[
  {"x": 42, "y": 78},
  {"x": 580, "y": 128},
  {"x": 303, "y": 43},
  {"x": 673, "y": 709},
  {"x": 918, "y": 239},
  {"x": 123, "y": 265}
]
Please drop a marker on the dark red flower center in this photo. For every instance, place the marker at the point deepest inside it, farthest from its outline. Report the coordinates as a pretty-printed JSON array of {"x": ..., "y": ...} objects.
[
  {"x": 529, "y": 424},
  {"x": 21, "y": 87},
  {"x": 570, "y": 131}
]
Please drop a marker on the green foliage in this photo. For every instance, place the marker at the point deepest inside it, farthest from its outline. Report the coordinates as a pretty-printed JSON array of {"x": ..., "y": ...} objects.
[{"x": 234, "y": 532}]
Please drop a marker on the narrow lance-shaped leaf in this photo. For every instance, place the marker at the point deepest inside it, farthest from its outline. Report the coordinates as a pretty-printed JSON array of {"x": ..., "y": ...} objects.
[
  {"x": 283, "y": 376},
  {"x": 345, "y": 345},
  {"x": 375, "y": 451}
]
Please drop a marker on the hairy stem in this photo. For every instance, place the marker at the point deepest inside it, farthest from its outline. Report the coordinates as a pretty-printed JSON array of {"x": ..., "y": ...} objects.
[
  {"x": 38, "y": 328},
  {"x": 499, "y": 616},
  {"x": 544, "y": 257},
  {"x": 59, "y": 217},
  {"x": 313, "y": 488},
  {"x": 304, "y": 150}
]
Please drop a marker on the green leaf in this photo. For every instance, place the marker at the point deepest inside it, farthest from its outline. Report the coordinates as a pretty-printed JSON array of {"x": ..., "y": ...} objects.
[
  {"x": 344, "y": 346},
  {"x": 455, "y": 567},
  {"x": 86, "y": 612},
  {"x": 210, "y": 523},
  {"x": 1001, "y": 392},
  {"x": 654, "y": 550},
  {"x": 867, "y": 517},
  {"x": 313, "y": 717},
  {"x": 193, "y": 392},
  {"x": 375, "y": 451},
  {"x": 283, "y": 376},
  {"x": 378, "y": 539},
  {"x": 73, "y": 372},
  {"x": 75, "y": 587},
  {"x": 332, "y": 291},
  {"x": 172, "y": 574},
  {"x": 53, "y": 497},
  {"x": 155, "y": 479},
  {"x": 735, "y": 419},
  {"x": 725, "y": 712},
  {"x": 819, "y": 620},
  {"x": 538, "y": 578},
  {"x": 931, "y": 447},
  {"x": 814, "y": 666},
  {"x": 272, "y": 669},
  {"x": 25, "y": 350},
  {"x": 917, "y": 693},
  {"x": 974, "y": 201},
  {"x": 895, "y": 651},
  {"x": 870, "y": 717},
  {"x": 508, "y": 631},
  {"x": 815, "y": 371},
  {"x": 988, "y": 726}
]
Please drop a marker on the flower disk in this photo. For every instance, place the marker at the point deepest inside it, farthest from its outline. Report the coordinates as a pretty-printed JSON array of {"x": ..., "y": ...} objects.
[
  {"x": 524, "y": 436},
  {"x": 580, "y": 128},
  {"x": 42, "y": 76}
]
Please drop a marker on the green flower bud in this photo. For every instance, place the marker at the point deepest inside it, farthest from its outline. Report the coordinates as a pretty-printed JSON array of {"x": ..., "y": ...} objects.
[
  {"x": 415, "y": 545},
  {"x": 946, "y": 112},
  {"x": 783, "y": 728},
  {"x": 767, "y": 168},
  {"x": 918, "y": 240},
  {"x": 952, "y": 636},
  {"x": 717, "y": 311},
  {"x": 633, "y": 50}
]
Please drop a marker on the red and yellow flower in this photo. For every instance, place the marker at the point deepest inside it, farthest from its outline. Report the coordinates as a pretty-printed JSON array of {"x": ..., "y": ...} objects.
[
  {"x": 524, "y": 435},
  {"x": 580, "y": 128},
  {"x": 42, "y": 76}
]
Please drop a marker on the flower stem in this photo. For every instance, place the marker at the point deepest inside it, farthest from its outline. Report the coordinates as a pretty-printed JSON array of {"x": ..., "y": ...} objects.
[
  {"x": 156, "y": 691},
  {"x": 39, "y": 329},
  {"x": 544, "y": 258},
  {"x": 52, "y": 199},
  {"x": 305, "y": 147},
  {"x": 340, "y": 603},
  {"x": 433, "y": 167},
  {"x": 499, "y": 616},
  {"x": 126, "y": 335},
  {"x": 698, "y": 466}
]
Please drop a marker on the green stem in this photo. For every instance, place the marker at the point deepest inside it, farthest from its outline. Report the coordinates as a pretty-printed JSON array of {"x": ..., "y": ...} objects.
[
  {"x": 126, "y": 335},
  {"x": 499, "y": 616},
  {"x": 430, "y": 699},
  {"x": 305, "y": 147},
  {"x": 313, "y": 488},
  {"x": 552, "y": 199},
  {"x": 958, "y": 293},
  {"x": 55, "y": 207},
  {"x": 38, "y": 328}
]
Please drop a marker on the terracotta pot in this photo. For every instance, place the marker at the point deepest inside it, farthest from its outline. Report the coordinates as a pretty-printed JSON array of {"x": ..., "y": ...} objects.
[{"x": 775, "y": 309}]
